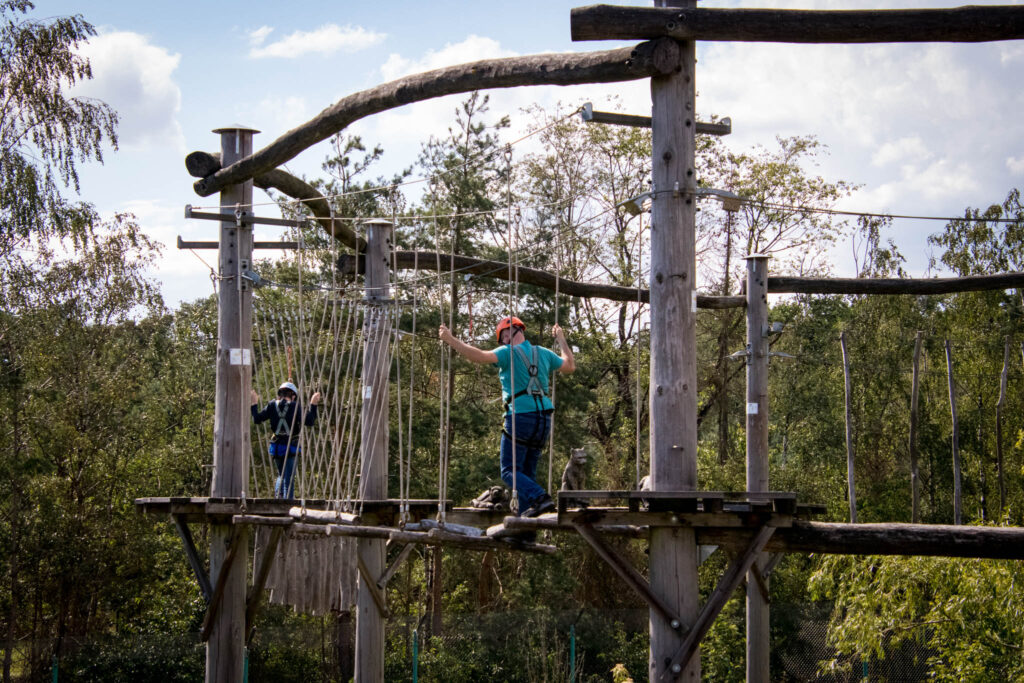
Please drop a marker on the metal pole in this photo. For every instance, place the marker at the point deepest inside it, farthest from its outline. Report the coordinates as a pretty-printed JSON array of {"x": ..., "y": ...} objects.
[
  {"x": 224, "y": 650},
  {"x": 673, "y": 550},
  {"x": 758, "y": 623},
  {"x": 374, "y": 445},
  {"x": 415, "y": 656},
  {"x": 572, "y": 653}
]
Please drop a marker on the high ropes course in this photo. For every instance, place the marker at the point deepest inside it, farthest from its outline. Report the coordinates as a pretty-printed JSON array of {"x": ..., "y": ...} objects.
[{"x": 343, "y": 536}]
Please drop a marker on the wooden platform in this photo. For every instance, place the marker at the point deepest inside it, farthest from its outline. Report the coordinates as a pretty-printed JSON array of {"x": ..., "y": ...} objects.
[{"x": 201, "y": 508}]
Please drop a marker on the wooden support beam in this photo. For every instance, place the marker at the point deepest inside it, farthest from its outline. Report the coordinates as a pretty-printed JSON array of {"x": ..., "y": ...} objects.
[
  {"x": 222, "y": 579},
  {"x": 262, "y": 520},
  {"x": 403, "y": 555},
  {"x": 350, "y": 264},
  {"x": 925, "y": 540},
  {"x": 370, "y": 585},
  {"x": 635, "y": 121},
  {"x": 202, "y": 578},
  {"x": 622, "y": 64},
  {"x": 259, "y": 581},
  {"x": 969, "y": 24},
  {"x": 761, "y": 581},
  {"x": 630, "y": 575},
  {"x": 918, "y": 286},
  {"x": 716, "y": 601},
  {"x": 773, "y": 562}
]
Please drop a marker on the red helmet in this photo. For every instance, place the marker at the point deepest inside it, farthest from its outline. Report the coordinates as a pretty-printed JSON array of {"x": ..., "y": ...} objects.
[{"x": 507, "y": 323}]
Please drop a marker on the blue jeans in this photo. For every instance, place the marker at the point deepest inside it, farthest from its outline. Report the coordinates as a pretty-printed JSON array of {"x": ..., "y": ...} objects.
[
  {"x": 284, "y": 460},
  {"x": 531, "y": 439}
]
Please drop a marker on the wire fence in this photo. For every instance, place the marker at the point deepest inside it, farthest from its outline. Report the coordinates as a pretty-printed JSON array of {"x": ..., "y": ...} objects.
[{"x": 535, "y": 646}]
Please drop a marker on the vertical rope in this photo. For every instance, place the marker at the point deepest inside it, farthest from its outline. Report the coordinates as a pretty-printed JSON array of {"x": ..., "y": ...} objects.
[
  {"x": 514, "y": 503},
  {"x": 554, "y": 376},
  {"x": 639, "y": 306}
]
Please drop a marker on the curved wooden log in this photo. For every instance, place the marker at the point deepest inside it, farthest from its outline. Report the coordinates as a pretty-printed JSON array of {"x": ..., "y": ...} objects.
[
  {"x": 968, "y": 24},
  {"x": 939, "y": 285},
  {"x": 203, "y": 164},
  {"x": 349, "y": 264},
  {"x": 623, "y": 64}
]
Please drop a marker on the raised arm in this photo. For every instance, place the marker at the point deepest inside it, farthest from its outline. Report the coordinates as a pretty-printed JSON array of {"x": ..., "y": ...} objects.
[
  {"x": 472, "y": 353},
  {"x": 568, "y": 360}
]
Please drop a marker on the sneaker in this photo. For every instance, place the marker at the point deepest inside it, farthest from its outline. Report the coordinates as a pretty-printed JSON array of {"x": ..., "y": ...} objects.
[{"x": 540, "y": 506}]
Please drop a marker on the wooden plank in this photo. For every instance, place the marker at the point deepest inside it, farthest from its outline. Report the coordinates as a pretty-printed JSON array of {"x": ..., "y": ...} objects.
[
  {"x": 716, "y": 601},
  {"x": 259, "y": 581},
  {"x": 262, "y": 520},
  {"x": 746, "y": 518},
  {"x": 958, "y": 25},
  {"x": 630, "y": 575},
  {"x": 202, "y": 578},
  {"x": 622, "y": 64}
]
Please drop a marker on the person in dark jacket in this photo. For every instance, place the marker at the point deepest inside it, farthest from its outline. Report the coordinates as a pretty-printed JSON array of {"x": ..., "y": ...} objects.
[{"x": 286, "y": 420}]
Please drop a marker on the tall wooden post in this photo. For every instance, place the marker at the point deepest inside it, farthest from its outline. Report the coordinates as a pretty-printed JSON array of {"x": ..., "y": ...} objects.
[
  {"x": 673, "y": 551},
  {"x": 224, "y": 649},
  {"x": 374, "y": 448},
  {"x": 758, "y": 623}
]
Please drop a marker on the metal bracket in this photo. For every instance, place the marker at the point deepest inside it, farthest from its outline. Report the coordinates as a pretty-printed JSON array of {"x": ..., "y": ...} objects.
[
  {"x": 587, "y": 113},
  {"x": 241, "y": 218}
]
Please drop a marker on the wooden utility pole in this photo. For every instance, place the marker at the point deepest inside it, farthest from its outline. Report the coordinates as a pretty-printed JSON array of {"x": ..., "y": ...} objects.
[
  {"x": 225, "y": 647},
  {"x": 758, "y": 625},
  {"x": 915, "y": 473},
  {"x": 673, "y": 551},
  {"x": 851, "y": 484},
  {"x": 957, "y": 516},
  {"x": 373, "y": 483}
]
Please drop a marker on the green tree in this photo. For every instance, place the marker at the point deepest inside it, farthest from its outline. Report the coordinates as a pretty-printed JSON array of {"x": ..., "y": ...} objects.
[{"x": 44, "y": 133}]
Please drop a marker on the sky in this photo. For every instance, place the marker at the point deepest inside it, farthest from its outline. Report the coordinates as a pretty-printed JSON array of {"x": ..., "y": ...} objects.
[{"x": 924, "y": 129}]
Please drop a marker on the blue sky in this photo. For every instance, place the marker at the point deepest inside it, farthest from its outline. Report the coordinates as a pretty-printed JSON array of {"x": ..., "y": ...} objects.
[{"x": 925, "y": 129}]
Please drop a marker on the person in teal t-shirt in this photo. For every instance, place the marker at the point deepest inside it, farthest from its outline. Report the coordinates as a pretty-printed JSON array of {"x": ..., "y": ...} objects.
[{"x": 523, "y": 370}]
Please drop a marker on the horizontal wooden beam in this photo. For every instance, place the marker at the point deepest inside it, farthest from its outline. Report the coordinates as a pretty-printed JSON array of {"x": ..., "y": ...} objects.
[
  {"x": 609, "y": 66},
  {"x": 927, "y": 540},
  {"x": 349, "y": 264},
  {"x": 969, "y": 24},
  {"x": 921, "y": 286}
]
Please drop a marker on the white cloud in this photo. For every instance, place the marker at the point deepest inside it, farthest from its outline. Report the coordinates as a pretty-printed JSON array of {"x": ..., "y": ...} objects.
[
  {"x": 257, "y": 36},
  {"x": 273, "y": 115},
  {"x": 472, "y": 49},
  {"x": 136, "y": 78},
  {"x": 1015, "y": 165},
  {"x": 903, "y": 151},
  {"x": 326, "y": 40}
]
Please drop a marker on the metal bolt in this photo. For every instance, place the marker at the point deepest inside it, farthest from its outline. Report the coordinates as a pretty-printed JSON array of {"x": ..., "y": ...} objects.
[
  {"x": 675, "y": 624},
  {"x": 676, "y": 668}
]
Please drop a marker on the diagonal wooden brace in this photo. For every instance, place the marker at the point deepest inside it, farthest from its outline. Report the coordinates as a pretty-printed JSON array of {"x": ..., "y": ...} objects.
[
  {"x": 726, "y": 585},
  {"x": 237, "y": 534},
  {"x": 403, "y": 554},
  {"x": 202, "y": 578},
  {"x": 761, "y": 580},
  {"x": 371, "y": 586},
  {"x": 631, "y": 576},
  {"x": 259, "y": 580}
]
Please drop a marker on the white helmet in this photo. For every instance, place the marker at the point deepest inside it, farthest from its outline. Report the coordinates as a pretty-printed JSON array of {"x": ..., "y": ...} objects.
[{"x": 288, "y": 386}]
